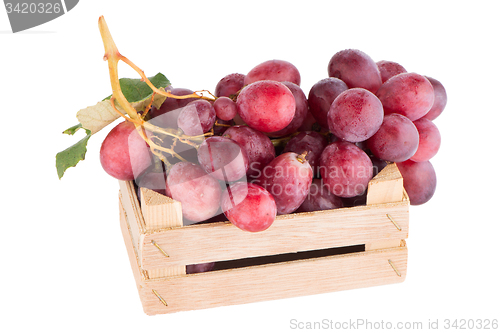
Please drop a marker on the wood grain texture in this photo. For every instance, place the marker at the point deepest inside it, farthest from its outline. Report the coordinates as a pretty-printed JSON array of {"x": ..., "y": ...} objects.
[
  {"x": 289, "y": 233},
  {"x": 133, "y": 210},
  {"x": 266, "y": 282},
  {"x": 160, "y": 212},
  {"x": 385, "y": 187}
]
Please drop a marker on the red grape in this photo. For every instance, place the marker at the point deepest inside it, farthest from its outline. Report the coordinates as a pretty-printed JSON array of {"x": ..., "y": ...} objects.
[
  {"x": 311, "y": 142},
  {"x": 288, "y": 178},
  {"x": 225, "y": 108},
  {"x": 267, "y": 106},
  {"x": 409, "y": 94},
  {"x": 429, "y": 140},
  {"x": 389, "y": 69},
  {"x": 321, "y": 97},
  {"x": 396, "y": 140},
  {"x": 419, "y": 180},
  {"x": 276, "y": 70},
  {"x": 355, "y": 115},
  {"x": 319, "y": 198},
  {"x": 345, "y": 169},
  {"x": 196, "y": 118},
  {"x": 223, "y": 158},
  {"x": 153, "y": 180},
  {"x": 308, "y": 123},
  {"x": 198, "y": 192},
  {"x": 229, "y": 85},
  {"x": 440, "y": 99},
  {"x": 356, "y": 69},
  {"x": 124, "y": 154},
  {"x": 258, "y": 147},
  {"x": 301, "y": 108},
  {"x": 248, "y": 206}
]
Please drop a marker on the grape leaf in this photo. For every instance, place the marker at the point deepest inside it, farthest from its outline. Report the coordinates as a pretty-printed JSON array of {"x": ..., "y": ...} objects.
[
  {"x": 94, "y": 118},
  {"x": 135, "y": 90},
  {"x": 138, "y": 93},
  {"x": 72, "y": 130},
  {"x": 72, "y": 155}
]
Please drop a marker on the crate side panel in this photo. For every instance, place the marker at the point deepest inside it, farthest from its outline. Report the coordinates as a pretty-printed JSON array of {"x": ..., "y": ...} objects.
[
  {"x": 288, "y": 234},
  {"x": 139, "y": 275},
  {"x": 128, "y": 200},
  {"x": 275, "y": 281}
]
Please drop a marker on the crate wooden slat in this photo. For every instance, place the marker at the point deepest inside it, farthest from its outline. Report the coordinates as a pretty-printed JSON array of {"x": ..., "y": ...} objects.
[
  {"x": 160, "y": 249},
  {"x": 297, "y": 232}
]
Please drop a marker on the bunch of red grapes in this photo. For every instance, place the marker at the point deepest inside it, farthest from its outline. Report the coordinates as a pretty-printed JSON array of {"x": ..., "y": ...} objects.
[{"x": 275, "y": 150}]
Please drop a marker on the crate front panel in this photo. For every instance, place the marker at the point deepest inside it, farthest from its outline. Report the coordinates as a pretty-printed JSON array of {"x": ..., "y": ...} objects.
[
  {"x": 266, "y": 282},
  {"x": 291, "y": 233}
]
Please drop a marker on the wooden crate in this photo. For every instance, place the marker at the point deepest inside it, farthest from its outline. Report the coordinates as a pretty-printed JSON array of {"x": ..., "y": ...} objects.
[{"x": 300, "y": 254}]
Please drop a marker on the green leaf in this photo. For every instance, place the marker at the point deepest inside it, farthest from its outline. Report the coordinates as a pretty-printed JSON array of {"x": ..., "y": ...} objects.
[
  {"x": 96, "y": 117},
  {"x": 72, "y": 155},
  {"x": 72, "y": 130},
  {"x": 136, "y": 90}
]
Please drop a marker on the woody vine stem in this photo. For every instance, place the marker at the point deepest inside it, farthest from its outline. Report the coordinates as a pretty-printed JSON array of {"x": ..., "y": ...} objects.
[
  {"x": 113, "y": 57},
  {"x": 149, "y": 132}
]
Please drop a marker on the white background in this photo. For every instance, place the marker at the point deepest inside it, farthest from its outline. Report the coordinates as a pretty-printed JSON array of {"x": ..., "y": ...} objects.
[{"x": 63, "y": 261}]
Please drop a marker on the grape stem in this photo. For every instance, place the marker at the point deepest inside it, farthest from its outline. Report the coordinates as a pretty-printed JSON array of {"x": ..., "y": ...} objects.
[
  {"x": 302, "y": 157},
  {"x": 113, "y": 56},
  {"x": 284, "y": 140}
]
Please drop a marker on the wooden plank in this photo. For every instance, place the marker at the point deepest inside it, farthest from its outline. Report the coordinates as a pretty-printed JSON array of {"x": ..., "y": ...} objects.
[
  {"x": 385, "y": 187},
  {"x": 384, "y": 244},
  {"x": 132, "y": 209},
  {"x": 161, "y": 212},
  {"x": 274, "y": 281},
  {"x": 289, "y": 233}
]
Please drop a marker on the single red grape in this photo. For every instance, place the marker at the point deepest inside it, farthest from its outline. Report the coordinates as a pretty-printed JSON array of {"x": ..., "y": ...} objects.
[
  {"x": 355, "y": 115},
  {"x": 248, "y": 206},
  {"x": 440, "y": 99},
  {"x": 288, "y": 178},
  {"x": 258, "y": 147},
  {"x": 356, "y": 69},
  {"x": 429, "y": 140},
  {"x": 276, "y": 70},
  {"x": 389, "y": 69},
  {"x": 396, "y": 140},
  {"x": 321, "y": 97},
  {"x": 229, "y": 85},
  {"x": 124, "y": 154},
  {"x": 419, "y": 180},
  {"x": 301, "y": 108},
  {"x": 267, "y": 106},
  {"x": 198, "y": 192},
  {"x": 345, "y": 169},
  {"x": 409, "y": 94}
]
